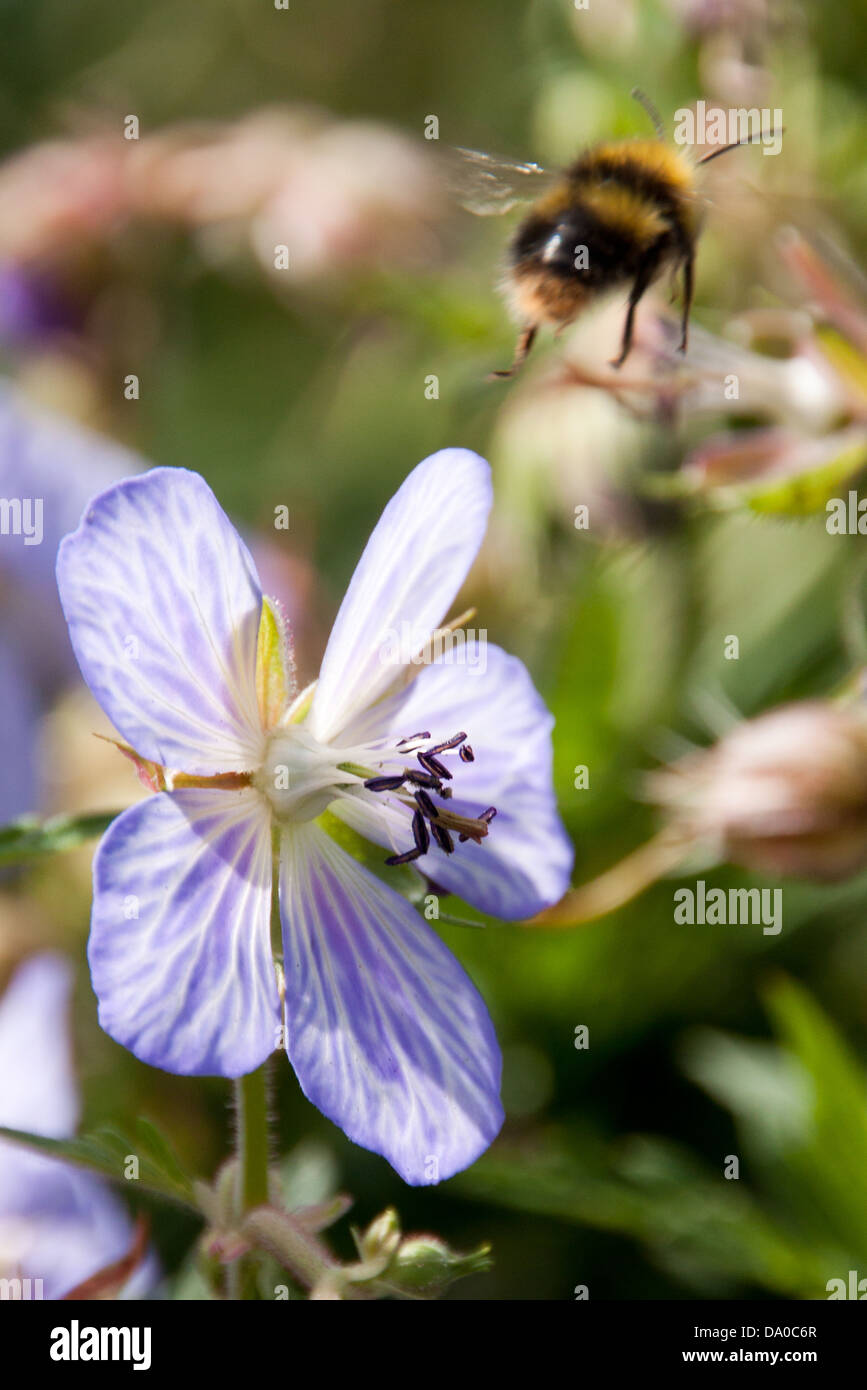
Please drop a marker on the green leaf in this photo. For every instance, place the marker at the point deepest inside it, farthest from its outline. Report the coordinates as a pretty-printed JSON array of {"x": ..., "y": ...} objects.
[
  {"x": 810, "y": 491},
  {"x": 107, "y": 1151},
  {"x": 705, "y": 1231},
  {"x": 758, "y": 1083},
  {"x": 31, "y": 838},
  {"x": 801, "y": 1108},
  {"x": 830, "y": 1161},
  {"x": 795, "y": 477}
]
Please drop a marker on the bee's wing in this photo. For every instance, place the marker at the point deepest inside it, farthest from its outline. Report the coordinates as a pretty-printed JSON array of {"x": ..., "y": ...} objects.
[{"x": 489, "y": 186}]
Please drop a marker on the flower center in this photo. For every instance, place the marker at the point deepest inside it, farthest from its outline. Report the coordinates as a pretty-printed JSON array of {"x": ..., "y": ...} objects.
[{"x": 299, "y": 776}]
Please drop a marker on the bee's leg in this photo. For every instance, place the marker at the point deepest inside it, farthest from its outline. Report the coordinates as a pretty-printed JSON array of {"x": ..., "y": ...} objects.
[
  {"x": 646, "y": 272},
  {"x": 522, "y": 348},
  {"x": 688, "y": 288}
]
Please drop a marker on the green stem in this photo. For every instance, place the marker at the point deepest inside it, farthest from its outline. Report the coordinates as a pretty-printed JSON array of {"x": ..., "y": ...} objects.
[{"x": 251, "y": 1102}]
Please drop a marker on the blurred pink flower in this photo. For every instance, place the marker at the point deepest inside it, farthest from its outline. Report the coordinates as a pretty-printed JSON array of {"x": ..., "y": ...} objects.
[
  {"x": 336, "y": 194},
  {"x": 784, "y": 793}
]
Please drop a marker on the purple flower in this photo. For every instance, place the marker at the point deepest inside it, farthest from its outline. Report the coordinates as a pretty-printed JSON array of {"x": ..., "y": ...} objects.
[
  {"x": 33, "y": 306},
  {"x": 49, "y": 467},
  {"x": 57, "y": 1224},
  {"x": 386, "y": 1033}
]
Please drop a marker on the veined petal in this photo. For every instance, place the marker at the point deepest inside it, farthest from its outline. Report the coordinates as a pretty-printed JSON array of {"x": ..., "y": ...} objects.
[
  {"x": 388, "y": 1036},
  {"x": 163, "y": 604},
  {"x": 413, "y": 566},
  {"x": 180, "y": 951},
  {"x": 525, "y": 861}
]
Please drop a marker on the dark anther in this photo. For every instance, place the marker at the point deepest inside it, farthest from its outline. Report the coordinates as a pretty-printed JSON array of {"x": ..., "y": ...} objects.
[
  {"x": 431, "y": 822},
  {"x": 444, "y": 747},
  {"x": 406, "y": 858},
  {"x": 420, "y": 832},
  {"x": 442, "y": 837},
  {"x": 427, "y": 805},
  {"x": 433, "y": 766},
  {"x": 384, "y": 784},
  {"x": 422, "y": 779}
]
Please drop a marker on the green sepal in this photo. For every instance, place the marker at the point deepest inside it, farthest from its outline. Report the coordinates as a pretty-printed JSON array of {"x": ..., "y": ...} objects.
[{"x": 272, "y": 682}]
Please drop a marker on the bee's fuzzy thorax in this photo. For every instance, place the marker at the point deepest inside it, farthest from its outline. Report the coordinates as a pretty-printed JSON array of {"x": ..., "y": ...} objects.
[
  {"x": 670, "y": 163},
  {"x": 659, "y": 176}
]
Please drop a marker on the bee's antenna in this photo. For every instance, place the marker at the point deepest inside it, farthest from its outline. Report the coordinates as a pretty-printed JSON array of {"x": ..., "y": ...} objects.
[
  {"x": 748, "y": 140},
  {"x": 651, "y": 110}
]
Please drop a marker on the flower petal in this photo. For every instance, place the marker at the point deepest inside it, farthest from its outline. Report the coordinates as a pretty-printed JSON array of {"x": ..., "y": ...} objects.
[
  {"x": 19, "y": 701},
  {"x": 180, "y": 951},
  {"x": 163, "y": 602},
  {"x": 388, "y": 1036},
  {"x": 525, "y": 861},
  {"x": 57, "y": 1224},
  {"x": 38, "y": 1091},
  {"x": 413, "y": 566},
  {"x": 71, "y": 1227}
]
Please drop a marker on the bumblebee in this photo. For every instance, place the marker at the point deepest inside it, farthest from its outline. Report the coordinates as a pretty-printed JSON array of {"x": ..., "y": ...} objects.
[{"x": 621, "y": 215}]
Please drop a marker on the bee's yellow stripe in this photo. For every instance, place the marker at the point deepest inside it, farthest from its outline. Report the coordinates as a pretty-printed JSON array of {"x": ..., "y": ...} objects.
[{"x": 624, "y": 210}]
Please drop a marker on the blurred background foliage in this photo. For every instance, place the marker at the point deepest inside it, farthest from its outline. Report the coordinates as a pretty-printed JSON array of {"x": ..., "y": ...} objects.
[{"x": 704, "y": 1041}]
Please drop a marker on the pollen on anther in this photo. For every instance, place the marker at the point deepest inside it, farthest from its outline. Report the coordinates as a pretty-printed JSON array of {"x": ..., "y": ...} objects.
[{"x": 422, "y": 779}]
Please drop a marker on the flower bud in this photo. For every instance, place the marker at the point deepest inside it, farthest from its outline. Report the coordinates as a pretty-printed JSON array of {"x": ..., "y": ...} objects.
[
  {"x": 382, "y": 1237},
  {"x": 424, "y": 1266},
  {"x": 783, "y": 794}
]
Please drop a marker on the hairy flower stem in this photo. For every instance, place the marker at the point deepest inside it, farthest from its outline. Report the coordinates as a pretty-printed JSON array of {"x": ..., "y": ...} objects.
[{"x": 252, "y": 1119}]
